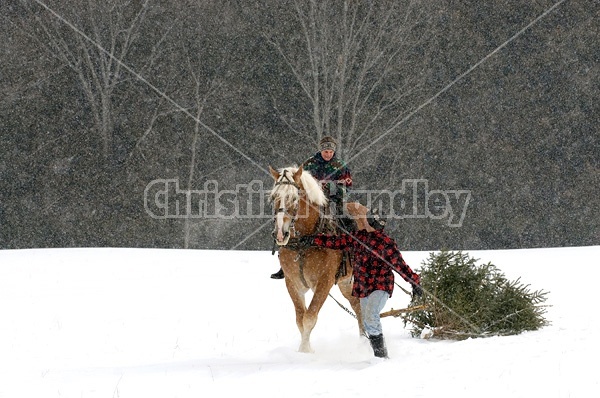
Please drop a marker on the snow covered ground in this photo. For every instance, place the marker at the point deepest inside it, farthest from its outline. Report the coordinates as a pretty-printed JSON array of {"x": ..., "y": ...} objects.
[{"x": 148, "y": 323}]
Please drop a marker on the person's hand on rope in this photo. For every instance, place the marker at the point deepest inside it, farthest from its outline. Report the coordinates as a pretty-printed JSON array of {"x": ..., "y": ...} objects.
[{"x": 417, "y": 290}]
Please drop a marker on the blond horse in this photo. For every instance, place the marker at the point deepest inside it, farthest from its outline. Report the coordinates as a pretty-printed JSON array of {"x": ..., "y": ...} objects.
[{"x": 297, "y": 198}]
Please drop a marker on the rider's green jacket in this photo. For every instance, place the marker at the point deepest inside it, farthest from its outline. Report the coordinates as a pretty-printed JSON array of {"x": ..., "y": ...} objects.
[{"x": 334, "y": 170}]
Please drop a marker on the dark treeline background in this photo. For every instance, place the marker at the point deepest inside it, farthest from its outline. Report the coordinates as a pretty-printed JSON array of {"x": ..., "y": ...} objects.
[{"x": 100, "y": 98}]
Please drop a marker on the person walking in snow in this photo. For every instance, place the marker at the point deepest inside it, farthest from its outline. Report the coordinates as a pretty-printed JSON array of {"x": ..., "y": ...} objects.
[{"x": 375, "y": 256}]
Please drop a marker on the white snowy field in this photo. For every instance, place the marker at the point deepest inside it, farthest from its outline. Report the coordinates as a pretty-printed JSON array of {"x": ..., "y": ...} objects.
[{"x": 148, "y": 323}]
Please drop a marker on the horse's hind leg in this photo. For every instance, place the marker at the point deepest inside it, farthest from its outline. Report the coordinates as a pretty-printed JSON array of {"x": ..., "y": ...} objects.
[
  {"x": 346, "y": 289},
  {"x": 355, "y": 303}
]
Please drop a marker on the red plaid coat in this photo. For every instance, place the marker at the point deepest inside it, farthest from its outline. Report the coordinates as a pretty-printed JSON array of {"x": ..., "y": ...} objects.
[{"x": 375, "y": 256}]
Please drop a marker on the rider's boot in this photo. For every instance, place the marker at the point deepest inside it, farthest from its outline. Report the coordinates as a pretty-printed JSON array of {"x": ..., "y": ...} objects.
[{"x": 278, "y": 275}]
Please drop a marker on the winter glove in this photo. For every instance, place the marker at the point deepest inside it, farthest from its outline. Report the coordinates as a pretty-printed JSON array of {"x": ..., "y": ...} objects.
[
  {"x": 417, "y": 290},
  {"x": 307, "y": 240}
]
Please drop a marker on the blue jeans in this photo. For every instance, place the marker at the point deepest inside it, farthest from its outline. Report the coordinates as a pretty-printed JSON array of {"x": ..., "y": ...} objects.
[{"x": 371, "y": 307}]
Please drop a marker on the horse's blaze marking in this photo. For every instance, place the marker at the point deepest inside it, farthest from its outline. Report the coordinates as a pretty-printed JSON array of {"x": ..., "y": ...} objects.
[{"x": 280, "y": 226}]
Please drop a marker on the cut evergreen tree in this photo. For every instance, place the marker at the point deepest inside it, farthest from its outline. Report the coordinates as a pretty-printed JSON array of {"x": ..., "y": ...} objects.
[{"x": 463, "y": 299}]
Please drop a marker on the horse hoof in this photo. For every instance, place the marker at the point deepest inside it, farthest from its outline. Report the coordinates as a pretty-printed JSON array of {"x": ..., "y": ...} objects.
[{"x": 306, "y": 349}]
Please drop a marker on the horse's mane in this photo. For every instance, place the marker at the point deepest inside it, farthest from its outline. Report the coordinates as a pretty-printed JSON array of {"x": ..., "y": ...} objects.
[{"x": 311, "y": 186}]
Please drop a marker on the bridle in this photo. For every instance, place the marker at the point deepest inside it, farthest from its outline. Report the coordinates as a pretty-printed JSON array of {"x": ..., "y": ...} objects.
[
  {"x": 293, "y": 242},
  {"x": 285, "y": 180}
]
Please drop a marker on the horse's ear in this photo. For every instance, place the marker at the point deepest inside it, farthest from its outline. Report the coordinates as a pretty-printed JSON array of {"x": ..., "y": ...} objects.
[
  {"x": 274, "y": 173},
  {"x": 298, "y": 174}
]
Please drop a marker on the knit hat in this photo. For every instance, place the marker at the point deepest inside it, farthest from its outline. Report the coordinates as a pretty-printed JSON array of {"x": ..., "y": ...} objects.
[
  {"x": 376, "y": 220},
  {"x": 327, "y": 143}
]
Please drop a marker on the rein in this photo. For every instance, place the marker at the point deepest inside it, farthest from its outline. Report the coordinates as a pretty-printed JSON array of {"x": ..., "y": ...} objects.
[
  {"x": 293, "y": 242},
  {"x": 295, "y": 245}
]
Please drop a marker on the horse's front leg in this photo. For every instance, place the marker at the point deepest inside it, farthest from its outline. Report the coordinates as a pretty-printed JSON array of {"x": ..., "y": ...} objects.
[
  {"x": 299, "y": 301},
  {"x": 311, "y": 316},
  {"x": 305, "y": 341},
  {"x": 305, "y": 326}
]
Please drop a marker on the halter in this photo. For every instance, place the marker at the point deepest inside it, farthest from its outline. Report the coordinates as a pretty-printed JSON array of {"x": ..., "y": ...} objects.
[{"x": 285, "y": 180}]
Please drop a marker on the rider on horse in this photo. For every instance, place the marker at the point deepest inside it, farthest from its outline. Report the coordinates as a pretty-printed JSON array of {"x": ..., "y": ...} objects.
[
  {"x": 332, "y": 172},
  {"x": 335, "y": 178}
]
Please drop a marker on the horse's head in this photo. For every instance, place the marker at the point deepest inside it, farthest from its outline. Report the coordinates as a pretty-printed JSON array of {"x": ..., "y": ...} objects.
[
  {"x": 285, "y": 197},
  {"x": 290, "y": 182}
]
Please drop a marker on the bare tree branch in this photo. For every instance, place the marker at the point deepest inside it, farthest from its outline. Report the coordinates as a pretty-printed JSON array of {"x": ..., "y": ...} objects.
[{"x": 349, "y": 61}]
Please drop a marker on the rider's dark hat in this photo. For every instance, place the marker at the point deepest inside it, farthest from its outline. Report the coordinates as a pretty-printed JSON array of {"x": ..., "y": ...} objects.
[{"x": 327, "y": 143}]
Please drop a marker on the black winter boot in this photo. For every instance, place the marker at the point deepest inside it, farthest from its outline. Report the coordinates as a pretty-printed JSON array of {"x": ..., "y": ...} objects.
[
  {"x": 378, "y": 345},
  {"x": 278, "y": 275}
]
